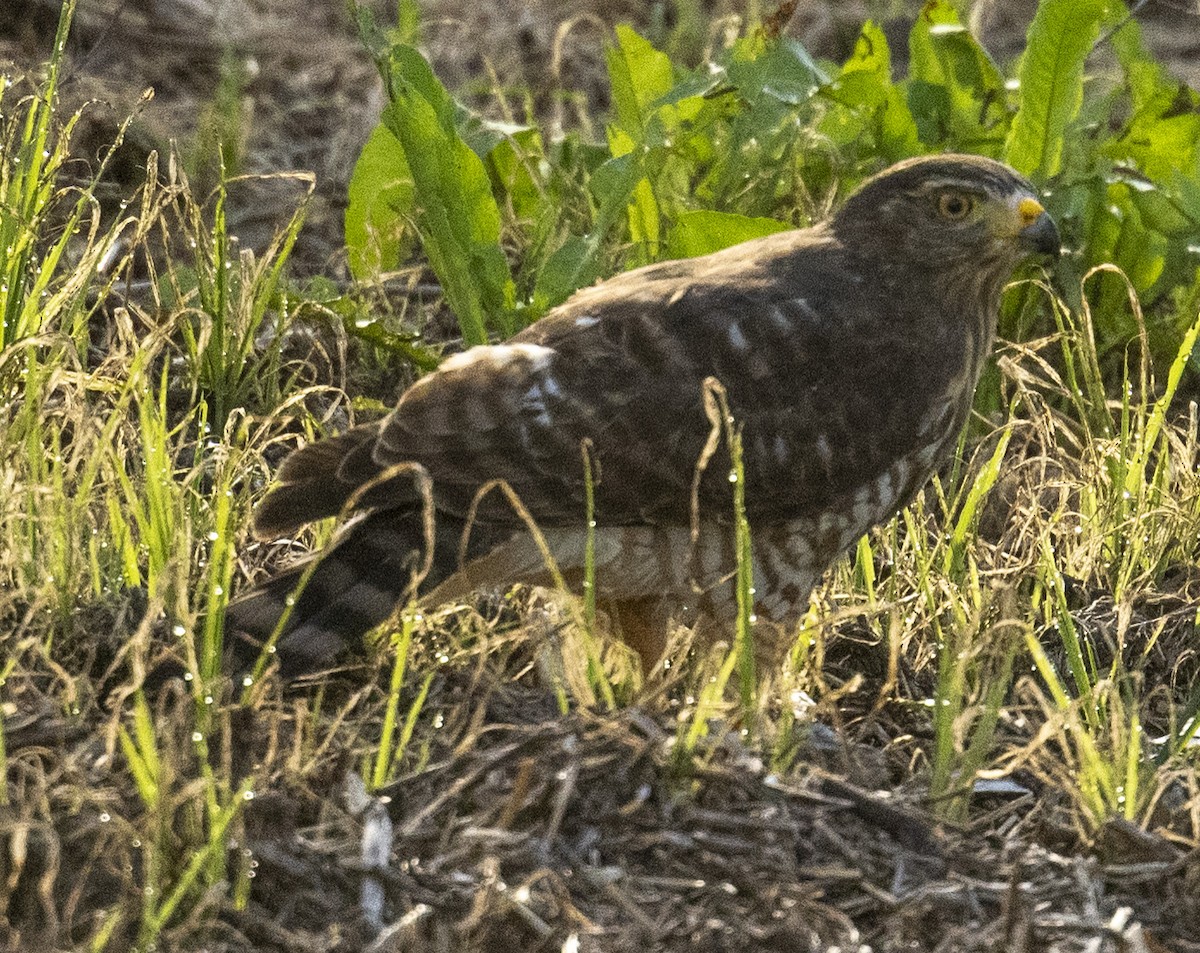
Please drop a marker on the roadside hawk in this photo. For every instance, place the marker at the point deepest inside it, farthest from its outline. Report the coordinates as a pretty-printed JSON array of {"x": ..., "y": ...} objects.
[{"x": 849, "y": 353}]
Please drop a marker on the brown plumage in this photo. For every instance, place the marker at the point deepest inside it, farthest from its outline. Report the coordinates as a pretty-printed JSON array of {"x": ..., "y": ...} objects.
[{"x": 849, "y": 351}]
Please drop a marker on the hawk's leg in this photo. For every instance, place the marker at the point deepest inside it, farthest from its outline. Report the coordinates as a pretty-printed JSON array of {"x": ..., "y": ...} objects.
[{"x": 644, "y": 625}]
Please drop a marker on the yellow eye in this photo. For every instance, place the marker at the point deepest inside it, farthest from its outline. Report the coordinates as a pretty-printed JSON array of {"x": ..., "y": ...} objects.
[{"x": 955, "y": 206}]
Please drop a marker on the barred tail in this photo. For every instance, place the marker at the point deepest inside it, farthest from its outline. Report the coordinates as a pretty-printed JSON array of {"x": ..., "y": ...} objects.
[{"x": 352, "y": 586}]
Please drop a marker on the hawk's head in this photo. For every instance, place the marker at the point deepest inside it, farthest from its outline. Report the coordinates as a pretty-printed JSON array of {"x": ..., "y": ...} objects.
[{"x": 947, "y": 211}]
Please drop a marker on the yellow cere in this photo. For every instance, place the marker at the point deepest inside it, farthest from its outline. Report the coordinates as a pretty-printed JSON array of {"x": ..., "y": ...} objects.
[{"x": 1029, "y": 210}]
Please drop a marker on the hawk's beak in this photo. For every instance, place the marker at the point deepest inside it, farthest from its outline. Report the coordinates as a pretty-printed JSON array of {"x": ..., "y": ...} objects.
[{"x": 1038, "y": 233}]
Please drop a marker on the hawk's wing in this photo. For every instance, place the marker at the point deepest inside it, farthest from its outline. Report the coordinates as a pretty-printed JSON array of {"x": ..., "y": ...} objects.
[{"x": 800, "y": 339}]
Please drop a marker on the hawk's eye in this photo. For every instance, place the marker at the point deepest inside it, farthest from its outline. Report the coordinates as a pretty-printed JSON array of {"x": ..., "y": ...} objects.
[{"x": 955, "y": 206}]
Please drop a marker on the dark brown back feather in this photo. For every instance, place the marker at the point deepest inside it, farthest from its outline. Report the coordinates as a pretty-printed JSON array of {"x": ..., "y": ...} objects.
[{"x": 316, "y": 481}]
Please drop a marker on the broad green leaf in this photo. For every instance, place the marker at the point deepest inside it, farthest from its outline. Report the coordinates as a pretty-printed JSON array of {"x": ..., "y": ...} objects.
[
  {"x": 613, "y": 181},
  {"x": 511, "y": 162},
  {"x": 406, "y": 64},
  {"x": 642, "y": 212},
  {"x": 872, "y": 101},
  {"x": 579, "y": 260},
  {"x": 1160, "y": 145},
  {"x": 639, "y": 75},
  {"x": 644, "y": 224},
  {"x": 409, "y": 71},
  {"x": 783, "y": 71},
  {"x": 704, "y": 231},
  {"x": 1051, "y": 91},
  {"x": 408, "y": 20},
  {"x": 380, "y": 207},
  {"x": 1162, "y": 134},
  {"x": 955, "y": 91},
  {"x": 572, "y": 265},
  {"x": 1120, "y": 235},
  {"x": 459, "y": 221},
  {"x": 1162, "y": 212}
]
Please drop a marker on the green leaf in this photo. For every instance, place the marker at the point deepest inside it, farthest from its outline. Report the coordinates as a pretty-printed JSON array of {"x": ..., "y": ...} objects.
[
  {"x": 1161, "y": 212},
  {"x": 408, "y": 20},
  {"x": 644, "y": 224},
  {"x": 871, "y": 100},
  {"x": 639, "y": 75},
  {"x": 578, "y": 261},
  {"x": 408, "y": 70},
  {"x": 1120, "y": 236},
  {"x": 955, "y": 91},
  {"x": 613, "y": 181},
  {"x": 380, "y": 207},
  {"x": 704, "y": 231},
  {"x": 511, "y": 161},
  {"x": 783, "y": 71},
  {"x": 572, "y": 265},
  {"x": 1051, "y": 91},
  {"x": 1162, "y": 135},
  {"x": 459, "y": 220}
]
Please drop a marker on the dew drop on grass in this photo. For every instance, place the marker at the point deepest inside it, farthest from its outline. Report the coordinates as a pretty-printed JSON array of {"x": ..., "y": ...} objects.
[
  {"x": 248, "y": 796},
  {"x": 188, "y": 676},
  {"x": 247, "y": 681},
  {"x": 178, "y": 630},
  {"x": 105, "y": 817},
  {"x": 213, "y": 535},
  {"x": 197, "y": 736}
]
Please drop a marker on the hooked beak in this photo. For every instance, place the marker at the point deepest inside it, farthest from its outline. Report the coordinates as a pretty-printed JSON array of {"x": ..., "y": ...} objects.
[{"x": 1038, "y": 234}]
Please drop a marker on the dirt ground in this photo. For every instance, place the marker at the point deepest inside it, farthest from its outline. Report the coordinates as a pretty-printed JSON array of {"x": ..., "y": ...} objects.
[{"x": 529, "y": 830}]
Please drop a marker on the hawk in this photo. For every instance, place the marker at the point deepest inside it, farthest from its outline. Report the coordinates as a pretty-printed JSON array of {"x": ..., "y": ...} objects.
[{"x": 848, "y": 352}]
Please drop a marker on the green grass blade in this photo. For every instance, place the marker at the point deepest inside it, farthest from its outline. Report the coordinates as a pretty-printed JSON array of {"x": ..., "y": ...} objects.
[{"x": 385, "y": 752}]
